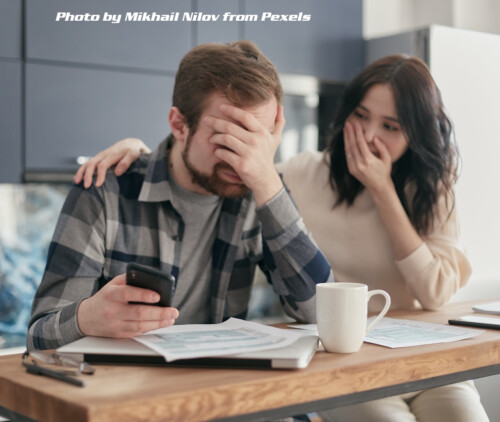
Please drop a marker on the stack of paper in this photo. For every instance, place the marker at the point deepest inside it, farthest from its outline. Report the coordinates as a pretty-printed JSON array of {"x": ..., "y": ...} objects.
[{"x": 204, "y": 340}]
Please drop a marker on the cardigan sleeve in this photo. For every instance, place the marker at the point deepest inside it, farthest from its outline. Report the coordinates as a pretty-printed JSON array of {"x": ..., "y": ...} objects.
[{"x": 439, "y": 267}]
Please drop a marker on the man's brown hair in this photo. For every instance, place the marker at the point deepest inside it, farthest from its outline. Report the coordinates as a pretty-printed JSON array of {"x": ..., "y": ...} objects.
[{"x": 238, "y": 70}]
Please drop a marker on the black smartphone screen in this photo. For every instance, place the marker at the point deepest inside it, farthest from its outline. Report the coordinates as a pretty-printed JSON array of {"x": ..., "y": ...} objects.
[{"x": 152, "y": 279}]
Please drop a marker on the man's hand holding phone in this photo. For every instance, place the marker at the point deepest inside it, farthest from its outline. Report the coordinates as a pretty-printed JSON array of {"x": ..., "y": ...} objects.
[
  {"x": 108, "y": 313},
  {"x": 149, "y": 278}
]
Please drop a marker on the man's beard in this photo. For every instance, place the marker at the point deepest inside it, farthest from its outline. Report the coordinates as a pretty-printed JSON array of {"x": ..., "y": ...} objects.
[{"x": 212, "y": 182}]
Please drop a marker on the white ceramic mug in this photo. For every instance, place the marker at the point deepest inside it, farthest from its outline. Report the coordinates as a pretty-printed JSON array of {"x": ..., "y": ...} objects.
[{"x": 341, "y": 313}]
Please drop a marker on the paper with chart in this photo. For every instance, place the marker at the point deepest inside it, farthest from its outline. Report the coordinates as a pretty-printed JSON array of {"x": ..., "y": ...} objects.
[
  {"x": 205, "y": 340},
  {"x": 393, "y": 332}
]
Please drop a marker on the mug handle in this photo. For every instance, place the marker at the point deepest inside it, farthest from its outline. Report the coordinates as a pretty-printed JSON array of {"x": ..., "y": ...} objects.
[{"x": 383, "y": 311}]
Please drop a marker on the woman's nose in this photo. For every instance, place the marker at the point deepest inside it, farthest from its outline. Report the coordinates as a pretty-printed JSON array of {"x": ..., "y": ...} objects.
[{"x": 369, "y": 131}]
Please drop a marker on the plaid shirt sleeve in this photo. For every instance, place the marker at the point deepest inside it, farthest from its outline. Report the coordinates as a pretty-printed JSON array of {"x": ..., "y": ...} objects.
[
  {"x": 292, "y": 261},
  {"x": 77, "y": 248},
  {"x": 78, "y": 255}
]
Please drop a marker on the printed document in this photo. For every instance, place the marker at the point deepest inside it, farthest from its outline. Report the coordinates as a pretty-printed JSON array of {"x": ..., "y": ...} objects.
[
  {"x": 394, "y": 332},
  {"x": 204, "y": 340}
]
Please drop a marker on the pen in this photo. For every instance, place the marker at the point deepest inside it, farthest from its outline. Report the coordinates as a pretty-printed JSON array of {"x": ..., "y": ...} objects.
[
  {"x": 39, "y": 370},
  {"x": 480, "y": 323}
]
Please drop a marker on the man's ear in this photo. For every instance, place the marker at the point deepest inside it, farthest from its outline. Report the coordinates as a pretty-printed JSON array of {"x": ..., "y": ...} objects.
[{"x": 178, "y": 124}]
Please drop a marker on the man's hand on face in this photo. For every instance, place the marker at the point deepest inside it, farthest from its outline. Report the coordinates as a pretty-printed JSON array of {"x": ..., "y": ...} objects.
[
  {"x": 108, "y": 313},
  {"x": 249, "y": 148}
]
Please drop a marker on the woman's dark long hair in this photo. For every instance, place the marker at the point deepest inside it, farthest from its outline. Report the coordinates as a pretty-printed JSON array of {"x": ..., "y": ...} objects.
[{"x": 430, "y": 163}]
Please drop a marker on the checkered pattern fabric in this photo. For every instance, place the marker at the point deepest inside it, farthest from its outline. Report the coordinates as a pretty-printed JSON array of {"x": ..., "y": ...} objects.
[{"x": 131, "y": 219}]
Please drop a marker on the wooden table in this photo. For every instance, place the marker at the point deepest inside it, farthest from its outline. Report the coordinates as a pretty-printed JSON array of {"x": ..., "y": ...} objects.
[{"x": 135, "y": 393}]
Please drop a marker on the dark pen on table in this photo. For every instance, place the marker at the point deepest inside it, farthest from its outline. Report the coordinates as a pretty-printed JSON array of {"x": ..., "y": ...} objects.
[{"x": 55, "y": 359}]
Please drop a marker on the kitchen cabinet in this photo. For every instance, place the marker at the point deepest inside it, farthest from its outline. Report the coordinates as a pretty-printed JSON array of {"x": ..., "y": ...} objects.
[
  {"x": 73, "y": 112},
  {"x": 329, "y": 46},
  {"x": 142, "y": 45},
  {"x": 87, "y": 84},
  {"x": 10, "y": 28},
  {"x": 10, "y": 122}
]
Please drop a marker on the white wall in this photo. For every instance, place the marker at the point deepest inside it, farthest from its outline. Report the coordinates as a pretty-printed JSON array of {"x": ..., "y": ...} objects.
[
  {"x": 477, "y": 15},
  {"x": 466, "y": 68},
  {"x": 384, "y": 17},
  {"x": 427, "y": 12}
]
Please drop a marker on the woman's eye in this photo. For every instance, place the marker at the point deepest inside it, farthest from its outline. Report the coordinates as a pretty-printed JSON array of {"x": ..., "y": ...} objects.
[
  {"x": 358, "y": 114},
  {"x": 390, "y": 127}
]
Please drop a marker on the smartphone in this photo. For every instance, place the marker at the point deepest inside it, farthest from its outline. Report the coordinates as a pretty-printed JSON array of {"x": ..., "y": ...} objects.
[{"x": 152, "y": 279}]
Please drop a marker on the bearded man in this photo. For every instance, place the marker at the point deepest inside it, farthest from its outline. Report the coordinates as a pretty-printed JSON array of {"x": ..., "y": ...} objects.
[{"x": 207, "y": 206}]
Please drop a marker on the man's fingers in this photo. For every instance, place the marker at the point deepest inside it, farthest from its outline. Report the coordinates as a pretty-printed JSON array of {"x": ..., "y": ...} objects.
[
  {"x": 230, "y": 142},
  {"x": 228, "y": 156},
  {"x": 226, "y": 127},
  {"x": 129, "y": 329},
  {"x": 150, "y": 313},
  {"x": 136, "y": 328},
  {"x": 247, "y": 119},
  {"x": 137, "y": 294}
]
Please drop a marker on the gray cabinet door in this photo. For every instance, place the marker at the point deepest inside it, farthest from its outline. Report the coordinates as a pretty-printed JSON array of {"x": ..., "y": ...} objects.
[
  {"x": 221, "y": 30},
  {"x": 143, "y": 45},
  {"x": 10, "y": 122},
  {"x": 10, "y": 28},
  {"x": 329, "y": 46},
  {"x": 73, "y": 111}
]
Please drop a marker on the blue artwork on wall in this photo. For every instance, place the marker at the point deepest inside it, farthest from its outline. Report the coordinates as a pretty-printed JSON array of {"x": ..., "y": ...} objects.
[{"x": 28, "y": 216}]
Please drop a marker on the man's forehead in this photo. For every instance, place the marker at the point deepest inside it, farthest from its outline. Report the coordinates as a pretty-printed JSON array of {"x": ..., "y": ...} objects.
[{"x": 265, "y": 112}]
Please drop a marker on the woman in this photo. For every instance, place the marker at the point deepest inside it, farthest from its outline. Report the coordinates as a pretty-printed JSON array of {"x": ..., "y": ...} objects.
[{"x": 380, "y": 204}]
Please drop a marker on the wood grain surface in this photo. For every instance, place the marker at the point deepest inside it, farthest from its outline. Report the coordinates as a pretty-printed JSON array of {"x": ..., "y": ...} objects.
[{"x": 141, "y": 393}]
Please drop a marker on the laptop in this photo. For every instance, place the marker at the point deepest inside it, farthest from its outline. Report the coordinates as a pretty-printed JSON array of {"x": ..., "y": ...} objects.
[{"x": 128, "y": 351}]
